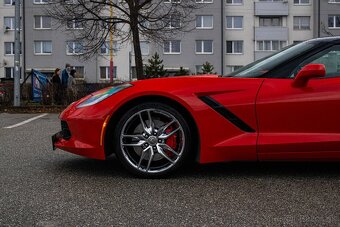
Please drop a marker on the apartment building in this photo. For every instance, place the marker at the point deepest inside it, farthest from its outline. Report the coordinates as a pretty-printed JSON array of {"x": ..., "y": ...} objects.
[
  {"x": 202, "y": 44},
  {"x": 232, "y": 33},
  {"x": 226, "y": 33},
  {"x": 7, "y": 26},
  {"x": 327, "y": 18},
  {"x": 46, "y": 46}
]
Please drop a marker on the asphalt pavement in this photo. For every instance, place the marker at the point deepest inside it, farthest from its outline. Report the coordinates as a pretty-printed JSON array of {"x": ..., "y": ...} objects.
[{"x": 41, "y": 187}]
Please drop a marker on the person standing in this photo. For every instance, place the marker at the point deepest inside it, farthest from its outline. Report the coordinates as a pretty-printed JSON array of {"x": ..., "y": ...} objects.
[
  {"x": 65, "y": 75},
  {"x": 56, "y": 85},
  {"x": 70, "y": 86}
]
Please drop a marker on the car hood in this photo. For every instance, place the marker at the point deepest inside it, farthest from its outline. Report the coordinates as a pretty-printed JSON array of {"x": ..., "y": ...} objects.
[{"x": 195, "y": 84}]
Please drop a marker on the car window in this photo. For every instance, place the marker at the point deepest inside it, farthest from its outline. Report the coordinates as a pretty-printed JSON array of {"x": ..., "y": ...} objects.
[
  {"x": 329, "y": 57},
  {"x": 262, "y": 66}
]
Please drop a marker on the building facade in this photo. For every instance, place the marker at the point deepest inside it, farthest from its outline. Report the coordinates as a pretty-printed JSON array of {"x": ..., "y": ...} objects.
[
  {"x": 202, "y": 44},
  {"x": 226, "y": 33},
  {"x": 232, "y": 33},
  {"x": 327, "y": 18},
  {"x": 7, "y": 27},
  {"x": 47, "y": 46}
]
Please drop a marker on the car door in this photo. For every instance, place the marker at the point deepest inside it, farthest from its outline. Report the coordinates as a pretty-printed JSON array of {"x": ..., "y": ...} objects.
[{"x": 301, "y": 123}]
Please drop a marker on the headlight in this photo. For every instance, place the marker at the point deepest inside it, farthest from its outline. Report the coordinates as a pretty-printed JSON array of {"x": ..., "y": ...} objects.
[{"x": 101, "y": 95}]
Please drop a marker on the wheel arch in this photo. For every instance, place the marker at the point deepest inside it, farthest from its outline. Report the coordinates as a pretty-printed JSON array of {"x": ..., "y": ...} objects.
[{"x": 108, "y": 143}]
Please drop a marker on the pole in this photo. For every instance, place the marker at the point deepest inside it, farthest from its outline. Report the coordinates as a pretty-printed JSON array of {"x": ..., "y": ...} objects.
[
  {"x": 319, "y": 19},
  {"x": 17, "y": 55},
  {"x": 222, "y": 37},
  {"x": 23, "y": 44},
  {"x": 111, "y": 43}
]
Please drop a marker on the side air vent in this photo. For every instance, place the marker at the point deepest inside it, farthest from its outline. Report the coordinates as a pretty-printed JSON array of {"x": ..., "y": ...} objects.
[{"x": 227, "y": 114}]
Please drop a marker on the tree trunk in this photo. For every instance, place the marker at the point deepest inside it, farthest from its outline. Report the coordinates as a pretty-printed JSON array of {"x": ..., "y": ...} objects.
[{"x": 136, "y": 46}]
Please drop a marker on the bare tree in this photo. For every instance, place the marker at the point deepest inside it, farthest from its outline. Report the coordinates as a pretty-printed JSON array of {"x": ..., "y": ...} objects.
[{"x": 154, "y": 20}]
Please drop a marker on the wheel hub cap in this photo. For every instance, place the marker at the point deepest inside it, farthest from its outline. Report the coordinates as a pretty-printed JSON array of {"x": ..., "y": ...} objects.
[{"x": 152, "y": 140}]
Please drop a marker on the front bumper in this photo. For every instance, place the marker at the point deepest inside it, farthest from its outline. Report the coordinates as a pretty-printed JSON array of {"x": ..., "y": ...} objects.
[
  {"x": 64, "y": 134},
  {"x": 81, "y": 132}
]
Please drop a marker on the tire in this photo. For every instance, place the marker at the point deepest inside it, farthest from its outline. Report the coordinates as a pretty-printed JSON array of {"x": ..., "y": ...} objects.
[{"x": 152, "y": 148}]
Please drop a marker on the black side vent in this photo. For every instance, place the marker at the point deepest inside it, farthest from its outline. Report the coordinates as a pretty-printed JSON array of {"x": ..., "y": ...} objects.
[
  {"x": 65, "y": 131},
  {"x": 226, "y": 114}
]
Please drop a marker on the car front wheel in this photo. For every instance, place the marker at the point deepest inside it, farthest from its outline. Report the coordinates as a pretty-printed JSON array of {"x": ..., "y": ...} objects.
[{"x": 154, "y": 140}]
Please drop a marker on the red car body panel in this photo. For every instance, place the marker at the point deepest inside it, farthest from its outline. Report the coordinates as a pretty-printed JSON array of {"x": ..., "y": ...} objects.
[
  {"x": 220, "y": 140},
  {"x": 299, "y": 123}
]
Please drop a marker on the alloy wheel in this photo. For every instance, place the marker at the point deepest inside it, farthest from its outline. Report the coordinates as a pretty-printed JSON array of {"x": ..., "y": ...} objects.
[{"x": 152, "y": 140}]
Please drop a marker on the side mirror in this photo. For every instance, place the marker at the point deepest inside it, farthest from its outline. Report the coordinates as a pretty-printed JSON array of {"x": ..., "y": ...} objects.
[{"x": 308, "y": 72}]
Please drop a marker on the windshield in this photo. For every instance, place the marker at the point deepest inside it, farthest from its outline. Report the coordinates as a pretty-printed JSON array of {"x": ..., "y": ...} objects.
[{"x": 262, "y": 66}]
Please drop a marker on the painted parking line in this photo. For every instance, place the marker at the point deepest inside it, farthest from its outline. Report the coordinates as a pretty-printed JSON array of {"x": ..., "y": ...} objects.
[{"x": 27, "y": 121}]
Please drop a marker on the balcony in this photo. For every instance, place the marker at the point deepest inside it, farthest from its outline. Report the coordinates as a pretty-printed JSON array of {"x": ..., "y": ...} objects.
[
  {"x": 271, "y": 33},
  {"x": 271, "y": 8}
]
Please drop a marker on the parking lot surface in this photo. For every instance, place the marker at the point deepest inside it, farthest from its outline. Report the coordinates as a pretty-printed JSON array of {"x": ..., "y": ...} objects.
[{"x": 41, "y": 187}]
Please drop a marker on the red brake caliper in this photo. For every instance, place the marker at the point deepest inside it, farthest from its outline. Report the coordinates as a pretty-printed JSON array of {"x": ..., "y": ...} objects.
[{"x": 171, "y": 141}]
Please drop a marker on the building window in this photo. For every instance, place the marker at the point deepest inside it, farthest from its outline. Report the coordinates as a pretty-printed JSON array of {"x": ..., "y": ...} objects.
[
  {"x": 172, "y": 1},
  {"x": 74, "y": 24},
  {"x": 9, "y": 72},
  {"x": 204, "y": 46},
  {"x": 234, "y": 2},
  {"x": 80, "y": 72},
  {"x": 74, "y": 48},
  {"x": 105, "y": 72},
  {"x": 301, "y": 23},
  {"x": 270, "y": 21},
  {"x": 234, "y": 22},
  {"x": 297, "y": 42},
  {"x": 232, "y": 68},
  {"x": 173, "y": 21},
  {"x": 204, "y": 22},
  {"x": 333, "y": 1},
  {"x": 42, "y": 22},
  {"x": 334, "y": 21},
  {"x": 71, "y": 2},
  {"x": 105, "y": 49},
  {"x": 204, "y": 1},
  {"x": 143, "y": 23},
  {"x": 172, "y": 47},
  {"x": 42, "y": 47},
  {"x": 301, "y": 2},
  {"x": 41, "y": 1},
  {"x": 9, "y": 23},
  {"x": 270, "y": 45},
  {"x": 9, "y": 2},
  {"x": 9, "y": 48},
  {"x": 235, "y": 47}
]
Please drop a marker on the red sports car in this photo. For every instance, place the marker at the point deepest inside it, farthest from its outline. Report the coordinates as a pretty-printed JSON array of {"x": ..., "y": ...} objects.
[{"x": 283, "y": 107}]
